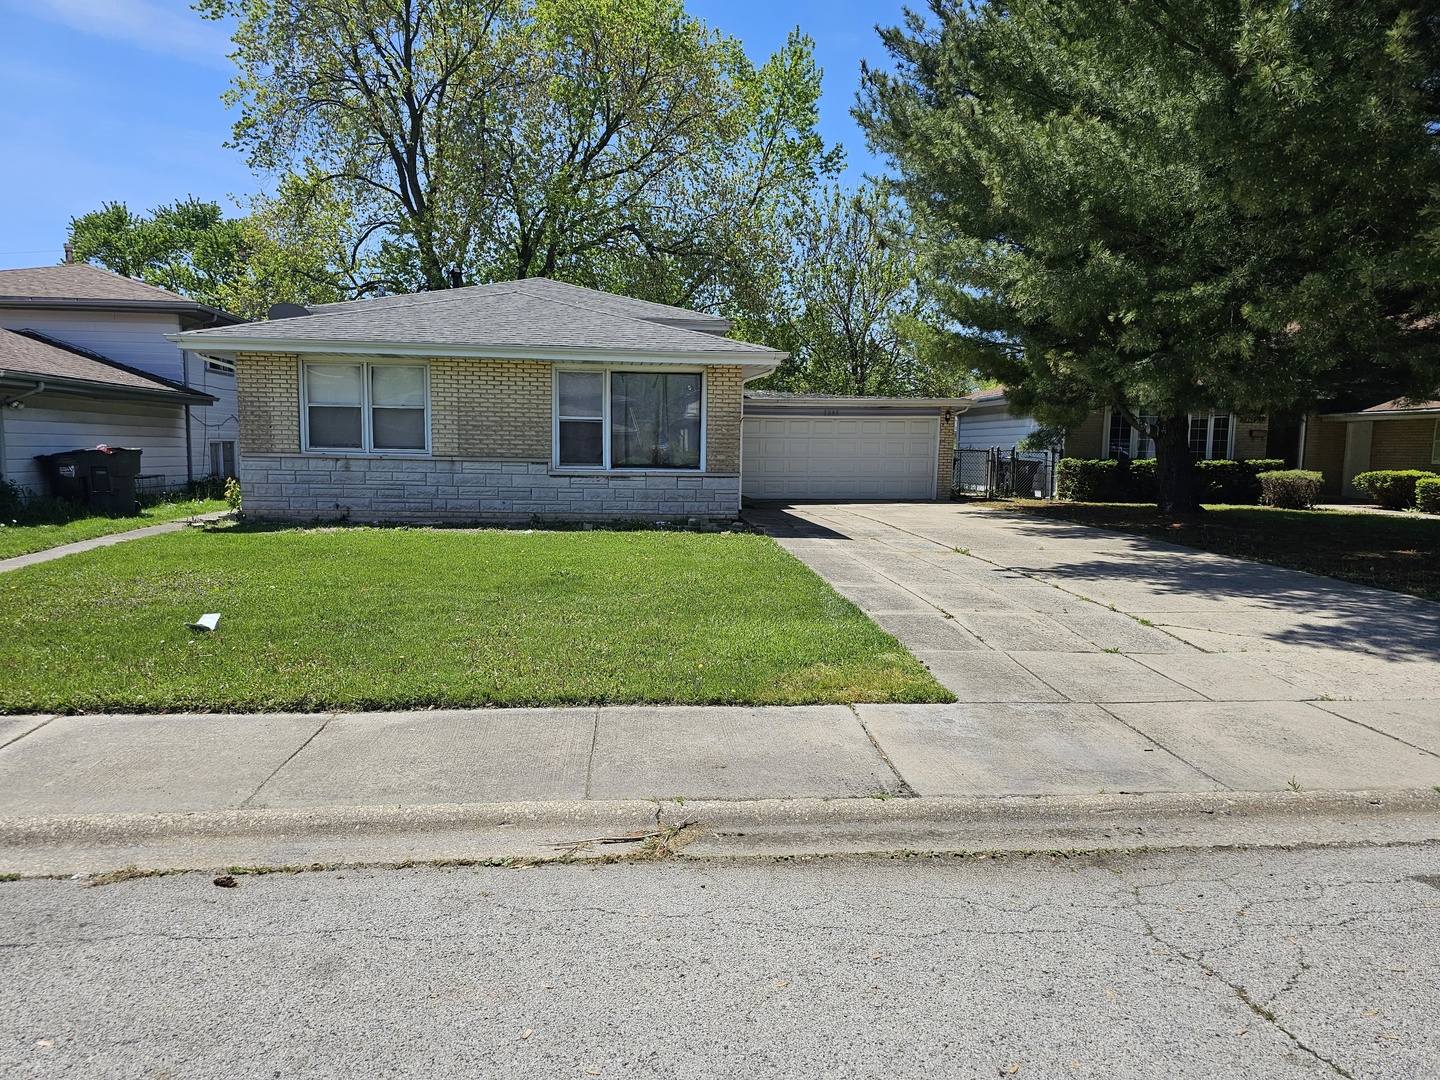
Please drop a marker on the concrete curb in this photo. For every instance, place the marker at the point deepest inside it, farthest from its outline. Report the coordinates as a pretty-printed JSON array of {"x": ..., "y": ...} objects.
[{"x": 749, "y": 828}]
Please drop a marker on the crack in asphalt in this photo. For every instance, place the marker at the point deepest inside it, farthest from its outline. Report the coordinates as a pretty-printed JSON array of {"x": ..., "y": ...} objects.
[{"x": 1260, "y": 1010}]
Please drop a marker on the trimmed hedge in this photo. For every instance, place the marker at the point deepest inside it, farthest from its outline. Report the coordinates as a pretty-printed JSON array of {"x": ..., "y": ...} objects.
[
  {"x": 1085, "y": 479},
  {"x": 1111, "y": 480},
  {"x": 1427, "y": 495},
  {"x": 1290, "y": 489},
  {"x": 1394, "y": 489}
]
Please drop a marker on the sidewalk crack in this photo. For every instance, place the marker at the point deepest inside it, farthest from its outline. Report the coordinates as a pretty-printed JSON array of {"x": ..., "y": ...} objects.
[
  {"x": 246, "y": 803},
  {"x": 906, "y": 791},
  {"x": 30, "y": 731},
  {"x": 594, "y": 742}
]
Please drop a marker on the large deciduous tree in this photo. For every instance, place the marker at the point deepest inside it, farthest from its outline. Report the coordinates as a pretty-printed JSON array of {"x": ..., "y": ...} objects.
[
  {"x": 241, "y": 264},
  {"x": 618, "y": 143},
  {"x": 1172, "y": 206},
  {"x": 853, "y": 316}
]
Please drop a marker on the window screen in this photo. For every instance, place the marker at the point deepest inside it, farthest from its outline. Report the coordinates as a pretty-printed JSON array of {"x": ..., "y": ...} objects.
[{"x": 335, "y": 394}]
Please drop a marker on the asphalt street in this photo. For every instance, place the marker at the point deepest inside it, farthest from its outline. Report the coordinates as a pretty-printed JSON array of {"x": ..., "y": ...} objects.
[{"x": 1231, "y": 963}]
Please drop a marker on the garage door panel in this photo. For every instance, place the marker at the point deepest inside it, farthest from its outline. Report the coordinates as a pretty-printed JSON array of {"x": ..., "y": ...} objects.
[{"x": 839, "y": 457}]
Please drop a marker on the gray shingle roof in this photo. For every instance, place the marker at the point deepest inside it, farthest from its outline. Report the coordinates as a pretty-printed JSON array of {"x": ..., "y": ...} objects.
[
  {"x": 80, "y": 285},
  {"x": 31, "y": 354},
  {"x": 535, "y": 315}
]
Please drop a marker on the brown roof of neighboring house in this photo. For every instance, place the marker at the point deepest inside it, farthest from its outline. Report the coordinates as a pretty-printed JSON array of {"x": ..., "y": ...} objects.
[
  {"x": 1399, "y": 407},
  {"x": 86, "y": 287},
  {"x": 28, "y": 357}
]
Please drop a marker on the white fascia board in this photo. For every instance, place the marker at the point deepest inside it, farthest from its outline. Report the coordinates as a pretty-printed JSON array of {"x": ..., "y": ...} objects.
[
  {"x": 1391, "y": 414},
  {"x": 231, "y": 346},
  {"x": 958, "y": 405}
]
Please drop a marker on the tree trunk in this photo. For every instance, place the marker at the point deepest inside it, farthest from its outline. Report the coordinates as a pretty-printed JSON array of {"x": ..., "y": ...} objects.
[{"x": 1175, "y": 467}]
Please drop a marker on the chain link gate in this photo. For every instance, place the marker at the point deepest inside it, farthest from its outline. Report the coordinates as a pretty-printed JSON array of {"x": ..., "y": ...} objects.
[{"x": 997, "y": 473}]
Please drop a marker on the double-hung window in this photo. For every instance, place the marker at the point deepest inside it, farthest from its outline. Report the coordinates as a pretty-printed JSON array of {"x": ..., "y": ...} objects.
[
  {"x": 366, "y": 408},
  {"x": 615, "y": 419}
]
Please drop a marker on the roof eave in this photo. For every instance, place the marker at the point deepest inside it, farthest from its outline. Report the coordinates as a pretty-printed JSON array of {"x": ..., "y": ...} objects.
[
  {"x": 229, "y": 346},
  {"x": 61, "y": 384},
  {"x": 192, "y": 308}
]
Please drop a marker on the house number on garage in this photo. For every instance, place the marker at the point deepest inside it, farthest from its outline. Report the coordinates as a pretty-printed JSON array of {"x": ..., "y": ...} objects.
[{"x": 829, "y": 412}]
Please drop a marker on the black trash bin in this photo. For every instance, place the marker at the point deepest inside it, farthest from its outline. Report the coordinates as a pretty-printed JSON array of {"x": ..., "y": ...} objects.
[{"x": 102, "y": 479}]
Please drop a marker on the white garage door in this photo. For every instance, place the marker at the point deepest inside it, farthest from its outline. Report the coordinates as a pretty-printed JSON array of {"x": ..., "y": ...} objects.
[{"x": 843, "y": 457}]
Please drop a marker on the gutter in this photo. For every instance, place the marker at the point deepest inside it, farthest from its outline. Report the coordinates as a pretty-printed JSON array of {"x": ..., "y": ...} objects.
[
  {"x": 108, "y": 391},
  {"x": 38, "y": 388}
]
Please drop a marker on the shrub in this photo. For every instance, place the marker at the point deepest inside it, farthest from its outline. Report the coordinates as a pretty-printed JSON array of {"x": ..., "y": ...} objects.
[
  {"x": 12, "y": 500},
  {"x": 1085, "y": 479},
  {"x": 232, "y": 493},
  {"x": 1427, "y": 495},
  {"x": 1290, "y": 489},
  {"x": 1394, "y": 489},
  {"x": 1139, "y": 482}
]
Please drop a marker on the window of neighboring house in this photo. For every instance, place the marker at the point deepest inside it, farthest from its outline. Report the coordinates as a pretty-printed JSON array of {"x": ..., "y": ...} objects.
[
  {"x": 222, "y": 459},
  {"x": 617, "y": 419},
  {"x": 1126, "y": 440},
  {"x": 369, "y": 408},
  {"x": 218, "y": 367},
  {"x": 1210, "y": 435},
  {"x": 1435, "y": 446}
]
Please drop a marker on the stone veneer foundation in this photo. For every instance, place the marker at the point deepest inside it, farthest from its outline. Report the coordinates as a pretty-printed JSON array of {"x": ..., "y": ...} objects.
[{"x": 304, "y": 487}]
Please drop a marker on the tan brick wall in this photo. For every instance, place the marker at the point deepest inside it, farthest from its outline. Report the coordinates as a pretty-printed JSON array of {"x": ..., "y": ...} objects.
[
  {"x": 1252, "y": 438},
  {"x": 267, "y": 390},
  {"x": 1404, "y": 444},
  {"x": 490, "y": 410},
  {"x": 1086, "y": 439},
  {"x": 1325, "y": 452},
  {"x": 945, "y": 467},
  {"x": 722, "y": 419}
]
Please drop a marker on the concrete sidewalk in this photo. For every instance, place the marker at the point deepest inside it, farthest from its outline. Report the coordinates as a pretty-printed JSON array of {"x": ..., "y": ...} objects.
[
  {"x": 59, "y": 552},
  {"x": 1088, "y": 665}
]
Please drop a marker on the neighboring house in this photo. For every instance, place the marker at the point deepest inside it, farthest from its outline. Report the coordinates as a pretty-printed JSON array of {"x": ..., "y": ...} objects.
[
  {"x": 1392, "y": 435},
  {"x": 85, "y": 360},
  {"x": 1105, "y": 433},
  {"x": 507, "y": 401},
  {"x": 987, "y": 422}
]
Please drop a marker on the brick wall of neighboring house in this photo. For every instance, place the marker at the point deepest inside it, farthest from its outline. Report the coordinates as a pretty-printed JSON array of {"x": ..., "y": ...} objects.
[
  {"x": 1087, "y": 438},
  {"x": 945, "y": 466},
  {"x": 267, "y": 391},
  {"x": 1404, "y": 444},
  {"x": 1252, "y": 438},
  {"x": 1325, "y": 452},
  {"x": 491, "y": 443}
]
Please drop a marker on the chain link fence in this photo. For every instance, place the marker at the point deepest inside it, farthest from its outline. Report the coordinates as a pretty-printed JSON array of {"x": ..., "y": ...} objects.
[{"x": 997, "y": 473}]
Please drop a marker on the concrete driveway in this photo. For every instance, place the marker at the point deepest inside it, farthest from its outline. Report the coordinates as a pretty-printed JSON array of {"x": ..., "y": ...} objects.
[{"x": 1091, "y": 660}]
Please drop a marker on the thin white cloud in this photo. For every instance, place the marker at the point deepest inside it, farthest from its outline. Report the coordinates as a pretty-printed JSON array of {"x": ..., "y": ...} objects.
[{"x": 164, "y": 26}]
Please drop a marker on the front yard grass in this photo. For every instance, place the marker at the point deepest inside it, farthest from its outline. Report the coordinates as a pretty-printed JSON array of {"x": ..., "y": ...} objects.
[
  {"x": 23, "y": 539},
  {"x": 1400, "y": 552},
  {"x": 362, "y": 618}
]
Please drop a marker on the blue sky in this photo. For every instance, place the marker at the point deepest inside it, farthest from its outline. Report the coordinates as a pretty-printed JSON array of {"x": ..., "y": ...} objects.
[{"x": 120, "y": 100}]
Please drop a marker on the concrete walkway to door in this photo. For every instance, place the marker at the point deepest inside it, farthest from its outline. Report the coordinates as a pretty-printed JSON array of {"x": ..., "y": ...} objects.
[{"x": 1084, "y": 657}]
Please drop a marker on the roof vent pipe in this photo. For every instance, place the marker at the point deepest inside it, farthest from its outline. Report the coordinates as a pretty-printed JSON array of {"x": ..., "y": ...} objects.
[
  {"x": 69, "y": 252},
  {"x": 456, "y": 280}
]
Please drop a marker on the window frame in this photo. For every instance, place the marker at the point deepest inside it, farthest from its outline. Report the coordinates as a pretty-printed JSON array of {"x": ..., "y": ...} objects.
[
  {"x": 367, "y": 407},
  {"x": 1136, "y": 439},
  {"x": 606, "y": 436},
  {"x": 1435, "y": 445},
  {"x": 220, "y": 444}
]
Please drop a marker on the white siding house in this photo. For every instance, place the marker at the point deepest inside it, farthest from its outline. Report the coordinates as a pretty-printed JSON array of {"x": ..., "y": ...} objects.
[
  {"x": 184, "y": 419},
  {"x": 987, "y": 422}
]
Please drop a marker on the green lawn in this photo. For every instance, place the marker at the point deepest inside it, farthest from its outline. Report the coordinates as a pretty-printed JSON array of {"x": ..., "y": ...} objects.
[
  {"x": 23, "y": 539},
  {"x": 1390, "y": 551},
  {"x": 359, "y": 618}
]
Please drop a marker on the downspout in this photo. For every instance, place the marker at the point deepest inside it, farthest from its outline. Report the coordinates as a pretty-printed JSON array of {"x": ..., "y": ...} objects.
[
  {"x": 189, "y": 453},
  {"x": 1300, "y": 454}
]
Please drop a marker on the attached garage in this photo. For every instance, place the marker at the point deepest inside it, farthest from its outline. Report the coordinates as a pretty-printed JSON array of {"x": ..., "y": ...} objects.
[{"x": 804, "y": 447}]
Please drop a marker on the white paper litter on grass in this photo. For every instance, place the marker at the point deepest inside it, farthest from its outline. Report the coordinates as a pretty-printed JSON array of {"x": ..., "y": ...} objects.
[{"x": 205, "y": 622}]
